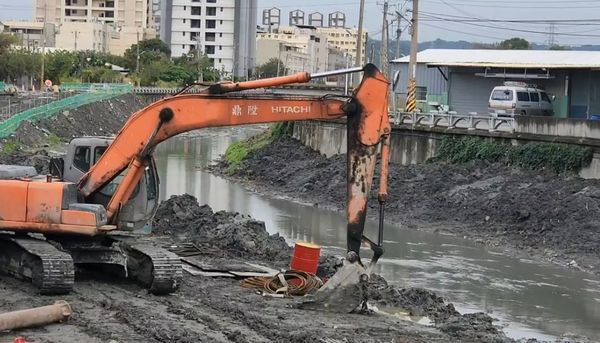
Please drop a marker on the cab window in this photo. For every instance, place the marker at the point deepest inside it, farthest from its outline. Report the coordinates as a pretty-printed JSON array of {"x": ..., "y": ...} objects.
[
  {"x": 522, "y": 96},
  {"x": 535, "y": 97},
  {"x": 500, "y": 94},
  {"x": 545, "y": 97},
  {"x": 81, "y": 160},
  {"x": 98, "y": 152}
]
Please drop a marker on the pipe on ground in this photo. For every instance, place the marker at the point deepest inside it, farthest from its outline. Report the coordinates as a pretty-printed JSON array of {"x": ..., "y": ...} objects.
[{"x": 61, "y": 310}]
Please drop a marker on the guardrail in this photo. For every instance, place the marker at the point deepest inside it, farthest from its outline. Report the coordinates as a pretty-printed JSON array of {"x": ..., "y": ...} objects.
[{"x": 451, "y": 121}]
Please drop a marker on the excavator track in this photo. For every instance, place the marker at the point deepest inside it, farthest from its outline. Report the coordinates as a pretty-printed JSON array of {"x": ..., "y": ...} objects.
[
  {"x": 156, "y": 268},
  {"x": 49, "y": 269}
]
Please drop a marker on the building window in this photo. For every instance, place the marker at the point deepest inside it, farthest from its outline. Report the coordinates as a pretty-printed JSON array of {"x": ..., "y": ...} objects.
[
  {"x": 211, "y": 11},
  {"x": 421, "y": 93},
  {"x": 184, "y": 8},
  {"x": 183, "y": 33},
  {"x": 221, "y": 9},
  {"x": 220, "y": 34},
  {"x": 219, "y": 60},
  {"x": 220, "y": 47},
  {"x": 183, "y": 46},
  {"x": 195, "y": 23},
  {"x": 195, "y": 0},
  {"x": 209, "y": 36},
  {"x": 211, "y": 1},
  {"x": 221, "y": 22},
  {"x": 209, "y": 49},
  {"x": 196, "y": 10},
  {"x": 211, "y": 24},
  {"x": 184, "y": 21}
]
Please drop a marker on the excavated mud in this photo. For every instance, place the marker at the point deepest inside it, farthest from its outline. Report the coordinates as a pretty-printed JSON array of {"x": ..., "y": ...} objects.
[
  {"x": 233, "y": 233},
  {"x": 32, "y": 141},
  {"x": 207, "y": 309},
  {"x": 552, "y": 217}
]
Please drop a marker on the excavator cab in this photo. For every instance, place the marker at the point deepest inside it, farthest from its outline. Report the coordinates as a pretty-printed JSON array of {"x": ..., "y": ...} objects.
[{"x": 82, "y": 154}]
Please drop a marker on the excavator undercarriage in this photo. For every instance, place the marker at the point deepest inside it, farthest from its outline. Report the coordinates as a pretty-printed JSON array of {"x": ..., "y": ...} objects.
[{"x": 50, "y": 262}]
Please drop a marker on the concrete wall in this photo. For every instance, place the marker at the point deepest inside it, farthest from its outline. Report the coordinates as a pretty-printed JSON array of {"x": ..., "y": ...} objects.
[
  {"x": 563, "y": 129},
  {"x": 417, "y": 145},
  {"x": 329, "y": 138}
]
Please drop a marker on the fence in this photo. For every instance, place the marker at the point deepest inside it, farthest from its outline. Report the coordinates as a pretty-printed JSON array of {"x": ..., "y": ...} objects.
[{"x": 10, "y": 125}]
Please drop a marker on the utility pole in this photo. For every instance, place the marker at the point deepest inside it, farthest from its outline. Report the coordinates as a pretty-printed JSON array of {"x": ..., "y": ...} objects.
[
  {"x": 411, "y": 94},
  {"x": 137, "y": 58},
  {"x": 384, "y": 42},
  {"x": 198, "y": 48},
  {"x": 359, "y": 41},
  {"x": 43, "y": 45},
  {"x": 398, "y": 33}
]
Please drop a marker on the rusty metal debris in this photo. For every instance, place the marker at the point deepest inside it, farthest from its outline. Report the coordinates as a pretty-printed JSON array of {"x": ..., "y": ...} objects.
[{"x": 60, "y": 311}]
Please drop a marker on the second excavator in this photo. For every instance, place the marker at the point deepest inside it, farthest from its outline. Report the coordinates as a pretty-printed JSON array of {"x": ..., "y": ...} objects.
[{"x": 106, "y": 189}]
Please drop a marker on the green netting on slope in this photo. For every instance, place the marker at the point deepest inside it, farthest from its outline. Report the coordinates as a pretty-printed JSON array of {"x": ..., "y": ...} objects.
[{"x": 10, "y": 125}]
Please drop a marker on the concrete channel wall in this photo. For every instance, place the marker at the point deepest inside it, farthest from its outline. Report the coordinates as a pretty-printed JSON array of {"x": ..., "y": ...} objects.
[{"x": 413, "y": 145}]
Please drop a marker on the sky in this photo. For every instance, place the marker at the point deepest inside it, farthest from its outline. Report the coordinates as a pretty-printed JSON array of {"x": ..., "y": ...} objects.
[{"x": 471, "y": 20}]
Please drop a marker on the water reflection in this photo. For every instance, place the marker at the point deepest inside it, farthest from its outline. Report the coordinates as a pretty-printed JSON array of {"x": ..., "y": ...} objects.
[{"x": 530, "y": 299}]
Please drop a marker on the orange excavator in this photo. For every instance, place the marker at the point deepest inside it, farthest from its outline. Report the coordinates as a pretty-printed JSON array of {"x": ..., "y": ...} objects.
[{"x": 106, "y": 189}]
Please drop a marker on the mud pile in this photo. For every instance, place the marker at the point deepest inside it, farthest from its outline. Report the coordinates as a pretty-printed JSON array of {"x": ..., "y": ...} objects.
[
  {"x": 554, "y": 216},
  {"x": 240, "y": 236},
  {"x": 32, "y": 140},
  {"x": 233, "y": 233}
]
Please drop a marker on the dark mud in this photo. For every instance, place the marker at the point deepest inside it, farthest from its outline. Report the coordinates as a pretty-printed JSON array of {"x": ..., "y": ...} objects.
[
  {"x": 32, "y": 141},
  {"x": 549, "y": 216},
  {"x": 233, "y": 234},
  {"x": 219, "y": 310}
]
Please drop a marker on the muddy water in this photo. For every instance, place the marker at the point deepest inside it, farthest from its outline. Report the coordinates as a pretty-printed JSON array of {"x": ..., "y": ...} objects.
[{"x": 530, "y": 299}]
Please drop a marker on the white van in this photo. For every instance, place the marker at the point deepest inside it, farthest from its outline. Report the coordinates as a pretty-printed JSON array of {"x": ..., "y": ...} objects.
[{"x": 519, "y": 98}]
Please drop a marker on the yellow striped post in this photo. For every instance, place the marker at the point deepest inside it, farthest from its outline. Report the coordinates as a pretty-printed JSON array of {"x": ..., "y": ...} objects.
[{"x": 411, "y": 96}]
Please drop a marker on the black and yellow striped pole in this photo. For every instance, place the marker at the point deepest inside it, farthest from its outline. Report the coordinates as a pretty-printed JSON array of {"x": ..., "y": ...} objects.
[
  {"x": 411, "y": 96},
  {"x": 411, "y": 91}
]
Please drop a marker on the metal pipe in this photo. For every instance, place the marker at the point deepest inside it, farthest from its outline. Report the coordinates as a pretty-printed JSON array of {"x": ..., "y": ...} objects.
[
  {"x": 61, "y": 310},
  {"x": 336, "y": 72}
]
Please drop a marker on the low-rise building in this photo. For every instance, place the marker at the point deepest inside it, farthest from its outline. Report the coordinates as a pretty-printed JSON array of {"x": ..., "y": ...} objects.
[
  {"x": 32, "y": 35},
  {"x": 296, "y": 46},
  {"x": 464, "y": 79},
  {"x": 75, "y": 36}
]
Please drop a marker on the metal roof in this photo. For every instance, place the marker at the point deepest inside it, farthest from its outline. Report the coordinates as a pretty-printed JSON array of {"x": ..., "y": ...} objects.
[{"x": 554, "y": 59}]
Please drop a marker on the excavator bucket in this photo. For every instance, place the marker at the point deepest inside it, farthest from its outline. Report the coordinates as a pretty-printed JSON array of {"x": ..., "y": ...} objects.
[{"x": 368, "y": 129}]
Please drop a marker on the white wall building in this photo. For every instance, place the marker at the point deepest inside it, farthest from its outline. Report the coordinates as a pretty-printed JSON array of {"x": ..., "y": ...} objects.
[
  {"x": 290, "y": 43},
  {"x": 223, "y": 29},
  {"x": 130, "y": 20}
]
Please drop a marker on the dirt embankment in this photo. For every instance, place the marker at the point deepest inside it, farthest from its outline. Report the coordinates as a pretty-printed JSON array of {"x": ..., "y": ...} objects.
[
  {"x": 548, "y": 216},
  {"x": 31, "y": 143},
  {"x": 209, "y": 309}
]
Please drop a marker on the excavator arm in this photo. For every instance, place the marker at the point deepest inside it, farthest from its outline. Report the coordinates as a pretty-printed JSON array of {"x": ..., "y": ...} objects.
[{"x": 367, "y": 126}]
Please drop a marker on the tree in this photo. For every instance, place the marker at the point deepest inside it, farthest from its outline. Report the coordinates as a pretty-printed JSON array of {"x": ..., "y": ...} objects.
[
  {"x": 190, "y": 63},
  {"x": 150, "y": 50},
  {"x": 559, "y": 47},
  {"x": 515, "y": 44},
  {"x": 269, "y": 68},
  {"x": 6, "y": 40}
]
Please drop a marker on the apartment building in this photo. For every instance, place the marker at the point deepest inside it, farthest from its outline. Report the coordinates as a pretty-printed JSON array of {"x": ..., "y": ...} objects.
[
  {"x": 333, "y": 26},
  {"x": 300, "y": 48},
  {"x": 225, "y": 30},
  {"x": 129, "y": 20}
]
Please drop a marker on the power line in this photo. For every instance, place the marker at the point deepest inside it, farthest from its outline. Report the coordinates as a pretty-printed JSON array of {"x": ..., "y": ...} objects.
[{"x": 512, "y": 29}]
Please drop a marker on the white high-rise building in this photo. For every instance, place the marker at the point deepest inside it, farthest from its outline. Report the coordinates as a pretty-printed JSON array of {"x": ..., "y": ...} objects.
[{"x": 223, "y": 29}]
